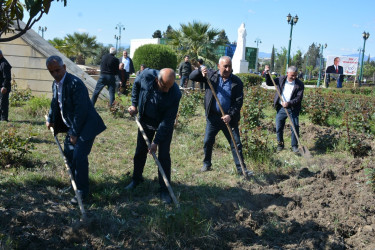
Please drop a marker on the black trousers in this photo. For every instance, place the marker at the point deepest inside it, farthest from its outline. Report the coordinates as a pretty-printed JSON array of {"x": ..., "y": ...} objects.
[
  {"x": 4, "y": 106},
  {"x": 163, "y": 156}
]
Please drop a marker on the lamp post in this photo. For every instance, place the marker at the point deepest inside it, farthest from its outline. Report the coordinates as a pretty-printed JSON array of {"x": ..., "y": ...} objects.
[
  {"x": 365, "y": 37},
  {"x": 307, "y": 63},
  {"x": 42, "y": 29},
  {"x": 257, "y": 41},
  {"x": 292, "y": 21},
  {"x": 117, "y": 38},
  {"x": 120, "y": 27},
  {"x": 321, "y": 46}
]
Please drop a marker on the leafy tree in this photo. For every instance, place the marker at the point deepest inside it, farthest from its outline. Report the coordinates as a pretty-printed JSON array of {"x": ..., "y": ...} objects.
[
  {"x": 155, "y": 56},
  {"x": 99, "y": 53},
  {"x": 12, "y": 12},
  {"x": 197, "y": 40},
  {"x": 157, "y": 34},
  {"x": 280, "y": 62},
  {"x": 82, "y": 45},
  {"x": 168, "y": 33},
  {"x": 222, "y": 37},
  {"x": 272, "y": 63},
  {"x": 313, "y": 55},
  {"x": 298, "y": 60}
]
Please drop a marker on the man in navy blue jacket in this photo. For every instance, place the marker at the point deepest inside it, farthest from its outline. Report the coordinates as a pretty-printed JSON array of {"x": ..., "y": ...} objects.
[
  {"x": 156, "y": 97},
  {"x": 72, "y": 112}
]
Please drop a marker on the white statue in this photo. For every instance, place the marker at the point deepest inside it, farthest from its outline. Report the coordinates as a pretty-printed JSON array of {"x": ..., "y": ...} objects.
[{"x": 239, "y": 64}]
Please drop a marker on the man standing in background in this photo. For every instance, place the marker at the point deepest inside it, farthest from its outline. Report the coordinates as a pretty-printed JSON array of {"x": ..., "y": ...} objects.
[
  {"x": 5, "y": 85},
  {"x": 128, "y": 65},
  {"x": 184, "y": 71},
  {"x": 109, "y": 68}
]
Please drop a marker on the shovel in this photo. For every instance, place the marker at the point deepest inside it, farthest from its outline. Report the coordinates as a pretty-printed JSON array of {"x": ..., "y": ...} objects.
[
  {"x": 302, "y": 149},
  {"x": 78, "y": 195},
  {"x": 157, "y": 163},
  {"x": 244, "y": 172}
]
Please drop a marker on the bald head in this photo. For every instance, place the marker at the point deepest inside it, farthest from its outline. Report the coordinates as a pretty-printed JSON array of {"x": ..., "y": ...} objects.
[{"x": 166, "y": 79}]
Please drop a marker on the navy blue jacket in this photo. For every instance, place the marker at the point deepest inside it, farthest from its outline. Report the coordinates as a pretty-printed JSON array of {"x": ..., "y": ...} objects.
[
  {"x": 78, "y": 111},
  {"x": 167, "y": 112},
  {"x": 236, "y": 93},
  {"x": 297, "y": 93}
]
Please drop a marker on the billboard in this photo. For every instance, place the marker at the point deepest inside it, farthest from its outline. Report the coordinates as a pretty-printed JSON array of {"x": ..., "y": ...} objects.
[{"x": 343, "y": 65}]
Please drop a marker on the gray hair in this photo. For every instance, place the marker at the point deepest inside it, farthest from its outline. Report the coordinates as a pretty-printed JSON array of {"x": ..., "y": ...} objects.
[
  {"x": 224, "y": 58},
  {"x": 292, "y": 69},
  {"x": 54, "y": 58},
  {"x": 112, "y": 50}
]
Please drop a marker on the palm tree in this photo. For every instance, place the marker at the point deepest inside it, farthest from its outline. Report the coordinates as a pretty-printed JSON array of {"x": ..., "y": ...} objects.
[
  {"x": 60, "y": 45},
  {"x": 197, "y": 40},
  {"x": 82, "y": 45}
]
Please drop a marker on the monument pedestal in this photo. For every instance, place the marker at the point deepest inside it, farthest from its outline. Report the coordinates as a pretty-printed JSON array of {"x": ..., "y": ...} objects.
[{"x": 241, "y": 66}]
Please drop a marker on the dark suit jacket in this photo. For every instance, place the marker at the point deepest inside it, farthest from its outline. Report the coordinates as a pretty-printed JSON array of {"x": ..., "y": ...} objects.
[
  {"x": 297, "y": 93},
  {"x": 236, "y": 93},
  {"x": 331, "y": 69},
  {"x": 78, "y": 111},
  {"x": 5, "y": 74}
]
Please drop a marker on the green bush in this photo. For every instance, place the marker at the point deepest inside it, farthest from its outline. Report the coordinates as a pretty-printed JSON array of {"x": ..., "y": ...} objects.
[
  {"x": 250, "y": 79},
  {"x": 13, "y": 148},
  {"x": 18, "y": 97},
  {"x": 189, "y": 103},
  {"x": 38, "y": 105},
  {"x": 311, "y": 82},
  {"x": 155, "y": 56}
]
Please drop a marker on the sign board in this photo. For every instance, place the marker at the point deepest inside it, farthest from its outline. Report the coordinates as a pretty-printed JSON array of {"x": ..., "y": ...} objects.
[{"x": 344, "y": 65}]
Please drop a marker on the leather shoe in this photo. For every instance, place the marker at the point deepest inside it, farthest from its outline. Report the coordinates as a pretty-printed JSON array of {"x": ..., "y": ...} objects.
[
  {"x": 247, "y": 172},
  {"x": 280, "y": 146},
  {"x": 74, "y": 200},
  {"x": 295, "y": 149},
  {"x": 132, "y": 185},
  {"x": 165, "y": 197},
  {"x": 205, "y": 168}
]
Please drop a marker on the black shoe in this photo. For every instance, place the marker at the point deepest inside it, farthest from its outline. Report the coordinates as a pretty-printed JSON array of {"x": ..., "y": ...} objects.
[
  {"x": 280, "y": 146},
  {"x": 295, "y": 149},
  {"x": 74, "y": 200},
  {"x": 247, "y": 172},
  {"x": 165, "y": 197},
  {"x": 205, "y": 168},
  {"x": 132, "y": 185}
]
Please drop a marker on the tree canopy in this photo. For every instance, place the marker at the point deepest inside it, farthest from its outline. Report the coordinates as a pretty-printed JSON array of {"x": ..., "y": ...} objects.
[{"x": 12, "y": 12}]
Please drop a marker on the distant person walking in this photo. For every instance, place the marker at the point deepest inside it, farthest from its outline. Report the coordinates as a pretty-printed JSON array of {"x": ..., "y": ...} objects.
[
  {"x": 109, "y": 69},
  {"x": 5, "y": 87},
  {"x": 184, "y": 71}
]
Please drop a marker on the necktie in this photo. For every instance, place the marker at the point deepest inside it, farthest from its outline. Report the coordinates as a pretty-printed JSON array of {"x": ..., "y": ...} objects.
[{"x": 337, "y": 69}]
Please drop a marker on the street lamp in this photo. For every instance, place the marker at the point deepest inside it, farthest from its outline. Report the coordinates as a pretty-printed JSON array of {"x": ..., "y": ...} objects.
[
  {"x": 120, "y": 27},
  {"x": 117, "y": 38},
  {"x": 292, "y": 21},
  {"x": 365, "y": 37},
  {"x": 321, "y": 46},
  {"x": 257, "y": 41},
  {"x": 42, "y": 29}
]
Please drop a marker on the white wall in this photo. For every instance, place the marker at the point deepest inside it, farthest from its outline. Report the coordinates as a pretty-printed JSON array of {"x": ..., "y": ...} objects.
[{"x": 135, "y": 43}]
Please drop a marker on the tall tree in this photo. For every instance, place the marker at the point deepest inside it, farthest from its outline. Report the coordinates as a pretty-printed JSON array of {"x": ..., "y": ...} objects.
[
  {"x": 223, "y": 38},
  {"x": 313, "y": 55},
  {"x": 272, "y": 63},
  {"x": 157, "y": 34},
  {"x": 368, "y": 59},
  {"x": 298, "y": 60},
  {"x": 168, "y": 34},
  {"x": 197, "y": 40},
  {"x": 280, "y": 62},
  {"x": 12, "y": 12},
  {"x": 82, "y": 45}
]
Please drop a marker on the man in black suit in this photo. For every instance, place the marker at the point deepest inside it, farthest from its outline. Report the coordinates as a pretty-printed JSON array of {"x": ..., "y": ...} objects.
[
  {"x": 336, "y": 69},
  {"x": 72, "y": 112}
]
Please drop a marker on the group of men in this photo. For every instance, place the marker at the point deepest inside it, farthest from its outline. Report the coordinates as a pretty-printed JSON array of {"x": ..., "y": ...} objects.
[{"x": 155, "y": 98}]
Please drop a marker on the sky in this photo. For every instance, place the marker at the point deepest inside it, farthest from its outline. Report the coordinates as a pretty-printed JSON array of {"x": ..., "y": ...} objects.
[{"x": 337, "y": 23}]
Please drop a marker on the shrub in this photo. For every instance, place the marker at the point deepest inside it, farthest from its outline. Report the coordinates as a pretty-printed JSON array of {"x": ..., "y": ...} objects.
[
  {"x": 189, "y": 103},
  {"x": 38, "y": 105},
  {"x": 250, "y": 79},
  {"x": 18, "y": 97},
  {"x": 13, "y": 148},
  {"x": 155, "y": 56}
]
